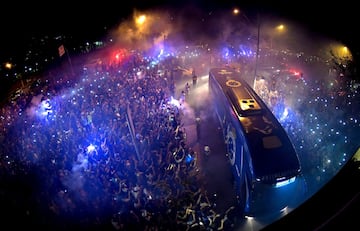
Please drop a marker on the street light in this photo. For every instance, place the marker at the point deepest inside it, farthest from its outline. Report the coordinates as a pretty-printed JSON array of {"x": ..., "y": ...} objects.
[
  {"x": 345, "y": 52},
  {"x": 140, "y": 20},
  {"x": 236, "y": 11},
  {"x": 278, "y": 29},
  {"x": 257, "y": 48},
  {"x": 8, "y": 65}
]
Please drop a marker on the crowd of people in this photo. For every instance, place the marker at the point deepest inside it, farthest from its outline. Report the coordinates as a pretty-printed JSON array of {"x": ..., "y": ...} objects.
[
  {"x": 319, "y": 111},
  {"x": 105, "y": 149}
]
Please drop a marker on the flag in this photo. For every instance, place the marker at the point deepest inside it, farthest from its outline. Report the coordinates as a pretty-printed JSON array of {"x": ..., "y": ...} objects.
[
  {"x": 130, "y": 121},
  {"x": 61, "y": 50}
]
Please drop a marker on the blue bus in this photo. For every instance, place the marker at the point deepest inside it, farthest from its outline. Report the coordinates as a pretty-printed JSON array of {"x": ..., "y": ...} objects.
[{"x": 263, "y": 159}]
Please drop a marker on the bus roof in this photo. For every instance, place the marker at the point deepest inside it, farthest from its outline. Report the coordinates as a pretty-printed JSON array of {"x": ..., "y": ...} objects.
[
  {"x": 267, "y": 140},
  {"x": 238, "y": 91}
]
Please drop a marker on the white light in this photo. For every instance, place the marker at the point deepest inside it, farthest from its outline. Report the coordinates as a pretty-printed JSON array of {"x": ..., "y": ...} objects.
[
  {"x": 285, "y": 182},
  {"x": 90, "y": 148}
]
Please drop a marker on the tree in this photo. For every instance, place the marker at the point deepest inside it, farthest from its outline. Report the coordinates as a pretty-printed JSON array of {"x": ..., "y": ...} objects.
[{"x": 345, "y": 66}]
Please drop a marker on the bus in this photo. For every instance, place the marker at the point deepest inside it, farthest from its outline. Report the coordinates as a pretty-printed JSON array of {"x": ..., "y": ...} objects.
[{"x": 263, "y": 159}]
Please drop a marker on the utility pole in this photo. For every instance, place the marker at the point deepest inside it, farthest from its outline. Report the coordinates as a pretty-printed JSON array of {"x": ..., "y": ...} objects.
[
  {"x": 257, "y": 48},
  {"x": 70, "y": 63}
]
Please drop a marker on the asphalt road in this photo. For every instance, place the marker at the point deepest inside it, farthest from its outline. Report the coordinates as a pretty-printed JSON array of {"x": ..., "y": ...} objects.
[{"x": 202, "y": 130}]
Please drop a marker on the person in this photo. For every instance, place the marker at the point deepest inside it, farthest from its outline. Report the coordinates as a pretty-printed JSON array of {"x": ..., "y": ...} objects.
[
  {"x": 207, "y": 150},
  {"x": 187, "y": 88},
  {"x": 194, "y": 79},
  {"x": 198, "y": 127},
  {"x": 182, "y": 98}
]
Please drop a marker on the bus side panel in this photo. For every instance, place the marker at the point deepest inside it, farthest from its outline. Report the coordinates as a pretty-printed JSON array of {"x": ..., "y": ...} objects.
[
  {"x": 237, "y": 150},
  {"x": 242, "y": 166}
]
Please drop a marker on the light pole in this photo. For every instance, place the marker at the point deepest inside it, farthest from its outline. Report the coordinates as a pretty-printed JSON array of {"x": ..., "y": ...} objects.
[
  {"x": 279, "y": 29},
  {"x": 236, "y": 12},
  {"x": 257, "y": 49}
]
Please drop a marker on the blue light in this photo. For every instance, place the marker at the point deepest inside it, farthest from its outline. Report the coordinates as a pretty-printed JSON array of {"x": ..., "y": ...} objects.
[
  {"x": 285, "y": 182},
  {"x": 189, "y": 158}
]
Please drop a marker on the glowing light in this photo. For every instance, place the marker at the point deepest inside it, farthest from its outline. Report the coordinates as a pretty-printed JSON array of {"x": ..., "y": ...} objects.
[
  {"x": 284, "y": 210},
  {"x": 285, "y": 182},
  {"x": 141, "y": 19},
  {"x": 284, "y": 114},
  {"x": 8, "y": 65},
  {"x": 90, "y": 148},
  {"x": 280, "y": 27},
  {"x": 189, "y": 158},
  {"x": 249, "y": 218},
  {"x": 175, "y": 102}
]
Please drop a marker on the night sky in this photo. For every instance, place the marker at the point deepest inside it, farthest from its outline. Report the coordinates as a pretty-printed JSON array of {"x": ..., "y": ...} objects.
[{"x": 21, "y": 20}]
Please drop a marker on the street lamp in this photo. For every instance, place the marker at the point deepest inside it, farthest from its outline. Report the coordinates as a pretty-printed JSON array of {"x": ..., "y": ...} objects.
[
  {"x": 8, "y": 65},
  {"x": 278, "y": 29},
  {"x": 345, "y": 52},
  {"x": 140, "y": 20},
  {"x": 236, "y": 11},
  {"x": 140, "y": 23},
  {"x": 257, "y": 49}
]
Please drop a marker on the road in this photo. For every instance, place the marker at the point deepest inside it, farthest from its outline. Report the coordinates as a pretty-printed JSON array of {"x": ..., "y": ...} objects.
[{"x": 202, "y": 130}]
